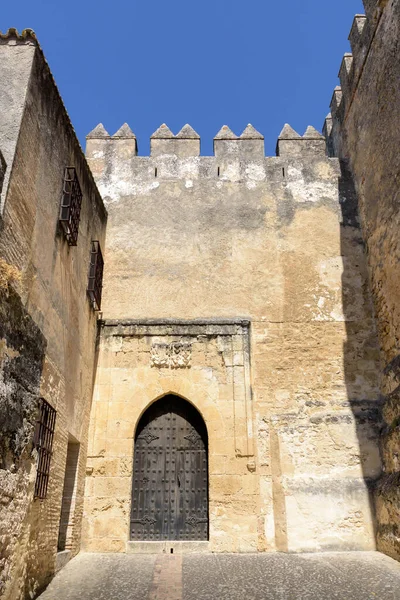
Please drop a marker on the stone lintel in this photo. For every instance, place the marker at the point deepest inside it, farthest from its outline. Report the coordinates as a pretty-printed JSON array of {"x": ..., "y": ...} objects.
[
  {"x": 176, "y": 354},
  {"x": 171, "y": 327}
]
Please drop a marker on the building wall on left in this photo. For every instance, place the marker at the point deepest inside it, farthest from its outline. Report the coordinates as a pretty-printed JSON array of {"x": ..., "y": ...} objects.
[{"x": 52, "y": 326}]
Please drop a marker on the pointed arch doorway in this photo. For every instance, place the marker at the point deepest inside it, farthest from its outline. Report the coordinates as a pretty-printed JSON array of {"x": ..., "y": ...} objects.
[{"x": 170, "y": 474}]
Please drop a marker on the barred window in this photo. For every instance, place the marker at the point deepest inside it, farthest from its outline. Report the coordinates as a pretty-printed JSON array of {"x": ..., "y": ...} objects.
[
  {"x": 96, "y": 267},
  {"x": 43, "y": 442},
  {"x": 70, "y": 208}
]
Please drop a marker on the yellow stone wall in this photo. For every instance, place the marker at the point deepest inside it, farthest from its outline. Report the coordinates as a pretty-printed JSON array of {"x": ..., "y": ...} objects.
[
  {"x": 275, "y": 242},
  {"x": 217, "y": 382},
  {"x": 364, "y": 131}
]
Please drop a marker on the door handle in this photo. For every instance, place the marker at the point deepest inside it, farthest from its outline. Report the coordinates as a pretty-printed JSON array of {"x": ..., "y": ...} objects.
[{"x": 179, "y": 481}]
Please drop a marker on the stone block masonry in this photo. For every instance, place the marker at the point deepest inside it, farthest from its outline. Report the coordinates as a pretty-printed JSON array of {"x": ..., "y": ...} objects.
[
  {"x": 260, "y": 291},
  {"x": 22, "y": 351},
  {"x": 273, "y": 241},
  {"x": 16, "y": 62},
  {"x": 365, "y": 133},
  {"x": 48, "y": 328}
]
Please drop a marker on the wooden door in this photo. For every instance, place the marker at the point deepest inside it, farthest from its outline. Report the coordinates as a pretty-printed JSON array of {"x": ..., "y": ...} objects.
[{"x": 170, "y": 478}]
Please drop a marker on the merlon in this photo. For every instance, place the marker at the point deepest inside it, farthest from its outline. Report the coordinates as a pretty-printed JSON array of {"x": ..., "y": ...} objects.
[
  {"x": 98, "y": 132},
  {"x": 124, "y": 132}
]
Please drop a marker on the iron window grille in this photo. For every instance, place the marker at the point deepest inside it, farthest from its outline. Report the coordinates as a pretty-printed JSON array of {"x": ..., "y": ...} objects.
[
  {"x": 70, "y": 208},
  {"x": 95, "y": 284},
  {"x": 43, "y": 442}
]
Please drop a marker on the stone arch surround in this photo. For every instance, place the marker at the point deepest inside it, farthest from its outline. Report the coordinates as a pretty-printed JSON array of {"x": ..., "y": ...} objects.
[
  {"x": 199, "y": 403},
  {"x": 210, "y": 369},
  {"x": 279, "y": 480}
]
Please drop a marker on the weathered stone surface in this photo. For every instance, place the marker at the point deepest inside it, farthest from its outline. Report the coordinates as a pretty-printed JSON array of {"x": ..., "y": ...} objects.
[
  {"x": 288, "y": 133},
  {"x": 107, "y": 577},
  {"x": 209, "y": 362},
  {"x": 187, "y": 132},
  {"x": 22, "y": 351},
  {"x": 290, "y": 143},
  {"x": 163, "y": 132},
  {"x": 237, "y": 282},
  {"x": 227, "y": 577},
  {"x": 98, "y": 132},
  {"x": 275, "y": 241},
  {"x": 166, "y": 547},
  {"x": 251, "y": 133},
  {"x": 16, "y": 64},
  {"x": 312, "y": 133},
  {"x": 225, "y": 133},
  {"x": 283, "y": 577},
  {"x": 124, "y": 132},
  {"x": 164, "y": 143},
  {"x": 366, "y": 133},
  {"x": 47, "y": 327}
]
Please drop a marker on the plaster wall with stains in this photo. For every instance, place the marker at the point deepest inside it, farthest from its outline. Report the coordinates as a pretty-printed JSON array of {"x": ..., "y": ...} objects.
[
  {"x": 276, "y": 241},
  {"x": 50, "y": 299},
  {"x": 365, "y": 133}
]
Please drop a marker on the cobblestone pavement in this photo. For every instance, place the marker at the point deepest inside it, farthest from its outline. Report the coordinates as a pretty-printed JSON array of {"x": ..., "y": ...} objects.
[{"x": 331, "y": 576}]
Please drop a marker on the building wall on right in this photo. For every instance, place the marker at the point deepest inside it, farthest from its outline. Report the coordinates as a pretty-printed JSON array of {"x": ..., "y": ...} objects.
[{"x": 365, "y": 132}]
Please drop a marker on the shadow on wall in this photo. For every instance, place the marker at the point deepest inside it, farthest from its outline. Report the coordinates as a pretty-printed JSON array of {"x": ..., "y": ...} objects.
[
  {"x": 22, "y": 351},
  {"x": 70, "y": 528},
  {"x": 361, "y": 349},
  {"x": 69, "y": 495}
]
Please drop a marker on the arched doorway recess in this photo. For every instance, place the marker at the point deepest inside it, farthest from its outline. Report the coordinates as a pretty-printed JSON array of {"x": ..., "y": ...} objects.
[{"x": 170, "y": 473}]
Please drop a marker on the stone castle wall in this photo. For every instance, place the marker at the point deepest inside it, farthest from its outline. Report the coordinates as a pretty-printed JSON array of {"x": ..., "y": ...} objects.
[
  {"x": 366, "y": 133},
  {"x": 274, "y": 241},
  {"x": 16, "y": 63},
  {"x": 22, "y": 350},
  {"x": 260, "y": 266},
  {"x": 39, "y": 143}
]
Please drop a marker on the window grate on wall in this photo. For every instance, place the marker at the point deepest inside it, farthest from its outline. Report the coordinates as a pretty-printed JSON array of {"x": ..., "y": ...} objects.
[
  {"x": 70, "y": 208},
  {"x": 43, "y": 442},
  {"x": 96, "y": 267}
]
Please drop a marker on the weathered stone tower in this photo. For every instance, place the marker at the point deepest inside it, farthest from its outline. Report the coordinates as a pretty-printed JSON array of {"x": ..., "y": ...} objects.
[
  {"x": 237, "y": 283},
  {"x": 239, "y": 390}
]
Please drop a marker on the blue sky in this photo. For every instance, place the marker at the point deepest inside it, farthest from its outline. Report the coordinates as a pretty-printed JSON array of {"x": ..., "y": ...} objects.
[{"x": 206, "y": 62}]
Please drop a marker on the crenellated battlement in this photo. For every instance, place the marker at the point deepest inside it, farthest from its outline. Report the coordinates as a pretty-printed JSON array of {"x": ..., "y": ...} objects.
[
  {"x": 361, "y": 36},
  {"x": 12, "y": 37},
  {"x": 228, "y": 147},
  {"x": 363, "y": 131},
  {"x": 301, "y": 167},
  {"x": 291, "y": 144}
]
